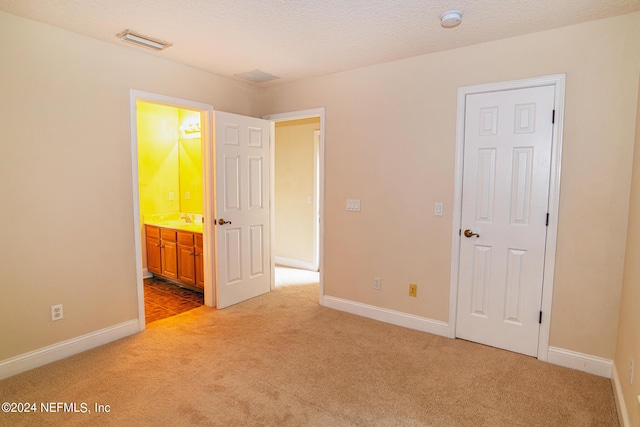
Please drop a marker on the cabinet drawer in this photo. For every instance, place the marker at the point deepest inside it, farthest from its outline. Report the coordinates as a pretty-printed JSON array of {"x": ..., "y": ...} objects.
[
  {"x": 153, "y": 232},
  {"x": 168, "y": 235},
  {"x": 185, "y": 238},
  {"x": 198, "y": 240}
]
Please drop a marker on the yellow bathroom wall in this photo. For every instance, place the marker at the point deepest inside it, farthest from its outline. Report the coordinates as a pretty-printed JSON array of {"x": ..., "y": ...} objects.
[
  {"x": 158, "y": 167},
  {"x": 169, "y": 161}
]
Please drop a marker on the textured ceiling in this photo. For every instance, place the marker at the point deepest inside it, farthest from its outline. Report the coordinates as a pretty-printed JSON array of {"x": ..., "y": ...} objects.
[{"x": 295, "y": 39}]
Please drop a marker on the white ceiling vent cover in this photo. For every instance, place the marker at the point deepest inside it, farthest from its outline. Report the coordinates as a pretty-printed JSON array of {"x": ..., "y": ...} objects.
[
  {"x": 257, "y": 76},
  {"x": 143, "y": 41}
]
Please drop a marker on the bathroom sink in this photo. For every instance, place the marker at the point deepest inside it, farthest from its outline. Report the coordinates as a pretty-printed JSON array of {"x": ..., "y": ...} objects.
[{"x": 180, "y": 224}]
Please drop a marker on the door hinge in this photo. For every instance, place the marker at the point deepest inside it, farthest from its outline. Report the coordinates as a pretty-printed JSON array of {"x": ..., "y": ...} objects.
[
  {"x": 540, "y": 318},
  {"x": 460, "y": 232},
  {"x": 547, "y": 224},
  {"x": 553, "y": 116}
]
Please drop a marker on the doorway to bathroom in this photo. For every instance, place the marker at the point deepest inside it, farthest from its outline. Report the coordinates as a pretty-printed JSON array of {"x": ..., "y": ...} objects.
[
  {"x": 170, "y": 200},
  {"x": 172, "y": 171}
]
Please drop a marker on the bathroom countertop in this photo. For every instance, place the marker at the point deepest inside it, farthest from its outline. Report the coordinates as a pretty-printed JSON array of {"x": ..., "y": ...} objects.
[{"x": 178, "y": 225}]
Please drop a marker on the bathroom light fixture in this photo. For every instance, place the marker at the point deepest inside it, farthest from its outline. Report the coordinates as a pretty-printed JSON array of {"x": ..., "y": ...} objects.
[
  {"x": 143, "y": 41},
  {"x": 451, "y": 19},
  {"x": 190, "y": 128}
]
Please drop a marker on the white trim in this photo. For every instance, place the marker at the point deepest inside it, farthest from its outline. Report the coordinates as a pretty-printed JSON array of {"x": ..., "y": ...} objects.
[
  {"x": 316, "y": 199},
  {"x": 61, "y": 350},
  {"x": 208, "y": 206},
  {"x": 621, "y": 406},
  {"x": 398, "y": 318},
  {"x": 295, "y": 263},
  {"x": 580, "y": 361},
  {"x": 206, "y": 111},
  {"x": 559, "y": 81},
  {"x": 146, "y": 274},
  {"x": 295, "y": 115}
]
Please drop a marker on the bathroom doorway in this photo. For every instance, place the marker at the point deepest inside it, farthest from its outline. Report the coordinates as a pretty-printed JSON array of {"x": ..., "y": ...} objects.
[
  {"x": 170, "y": 195},
  {"x": 172, "y": 167}
]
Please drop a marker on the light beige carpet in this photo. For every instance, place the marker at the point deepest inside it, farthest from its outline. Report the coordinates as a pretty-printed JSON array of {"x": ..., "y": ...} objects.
[
  {"x": 287, "y": 276},
  {"x": 283, "y": 360}
]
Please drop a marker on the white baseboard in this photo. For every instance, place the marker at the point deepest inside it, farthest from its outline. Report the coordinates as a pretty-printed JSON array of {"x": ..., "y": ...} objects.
[
  {"x": 146, "y": 274},
  {"x": 45, "y": 355},
  {"x": 623, "y": 415},
  {"x": 410, "y": 321},
  {"x": 294, "y": 263},
  {"x": 580, "y": 361}
]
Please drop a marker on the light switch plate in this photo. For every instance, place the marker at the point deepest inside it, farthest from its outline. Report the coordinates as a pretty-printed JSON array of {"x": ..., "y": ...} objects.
[
  {"x": 353, "y": 205},
  {"x": 437, "y": 209}
]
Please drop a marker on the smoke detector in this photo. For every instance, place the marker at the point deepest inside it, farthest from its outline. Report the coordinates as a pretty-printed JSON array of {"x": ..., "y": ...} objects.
[{"x": 451, "y": 19}]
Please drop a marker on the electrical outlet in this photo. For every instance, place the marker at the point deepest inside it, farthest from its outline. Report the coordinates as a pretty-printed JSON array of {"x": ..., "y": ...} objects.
[
  {"x": 413, "y": 290},
  {"x": 377, "y": 283},
  {"x": 631, "y": 368},
  {"x": 56, "y": 312}
]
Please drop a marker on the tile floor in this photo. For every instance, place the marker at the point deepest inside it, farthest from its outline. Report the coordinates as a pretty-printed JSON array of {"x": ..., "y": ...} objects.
[{"x": 164, "y": 299}]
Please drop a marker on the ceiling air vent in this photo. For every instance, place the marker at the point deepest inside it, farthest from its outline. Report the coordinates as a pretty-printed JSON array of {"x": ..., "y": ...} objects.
[
  {"x": 257, "y": 76},
  {"x": 143, "y": 41}
]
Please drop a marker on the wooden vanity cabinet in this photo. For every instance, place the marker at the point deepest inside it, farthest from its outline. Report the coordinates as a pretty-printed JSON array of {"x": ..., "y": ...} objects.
[
  {"x": 154, "y": 264},
  {"x": 162, "y": 257},
  {"x": 199, "y": 261},
  {"x": 186, "y": 258},
  {"x": 175, "y": 254}
]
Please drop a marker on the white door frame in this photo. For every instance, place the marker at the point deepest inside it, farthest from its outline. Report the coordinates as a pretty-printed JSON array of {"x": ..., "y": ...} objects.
[
  {"x": 558, "y": 81},
  {"x": 208, "y": 187},
  {"x": 296, "y": 115}
]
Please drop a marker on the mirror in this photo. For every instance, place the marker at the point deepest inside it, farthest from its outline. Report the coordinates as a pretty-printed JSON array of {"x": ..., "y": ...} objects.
[
  {"x": 190, "y": 162},
  {"x": 169, "y": 161}
]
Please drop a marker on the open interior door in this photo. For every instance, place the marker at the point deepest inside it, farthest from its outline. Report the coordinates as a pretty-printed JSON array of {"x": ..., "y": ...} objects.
[{"x": 242, "y": 208}]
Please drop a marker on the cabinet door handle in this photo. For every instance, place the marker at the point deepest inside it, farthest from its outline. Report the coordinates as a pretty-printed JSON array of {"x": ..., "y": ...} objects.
[
  {"x": 157, "y": 245},
  {"x": 197, "y": 254}
]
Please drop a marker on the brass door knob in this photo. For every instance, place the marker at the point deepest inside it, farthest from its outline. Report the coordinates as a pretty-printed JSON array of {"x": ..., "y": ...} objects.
[
  {"x": 469, "y": 233},
  {"x": 221, "y": 221}
]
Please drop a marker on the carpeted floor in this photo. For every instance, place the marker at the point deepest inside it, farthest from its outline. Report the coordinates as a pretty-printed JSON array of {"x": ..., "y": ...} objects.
[
  {"x": 287, "y": 276},
  {"x": 282, "y": 360}
]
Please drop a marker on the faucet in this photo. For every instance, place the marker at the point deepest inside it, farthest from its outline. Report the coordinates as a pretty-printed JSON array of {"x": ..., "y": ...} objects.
[{"x": 187, "y": 218}]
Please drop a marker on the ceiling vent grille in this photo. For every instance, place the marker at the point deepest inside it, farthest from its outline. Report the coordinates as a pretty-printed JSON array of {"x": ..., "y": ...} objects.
[
  {"x": 143, "y": 41},
  {"x": 257, "y": 76}
]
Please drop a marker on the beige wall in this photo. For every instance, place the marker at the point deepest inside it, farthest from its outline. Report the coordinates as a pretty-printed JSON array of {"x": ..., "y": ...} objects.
[
  {"x": 294, "y": 183},
  {"x": 65, "y": 176},
  {"x": 628, "y": 347},
  {"x": 390, "y": 137}
]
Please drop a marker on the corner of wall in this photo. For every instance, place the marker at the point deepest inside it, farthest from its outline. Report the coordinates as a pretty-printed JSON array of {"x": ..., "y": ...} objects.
[{"x": 621, "y": 407}]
